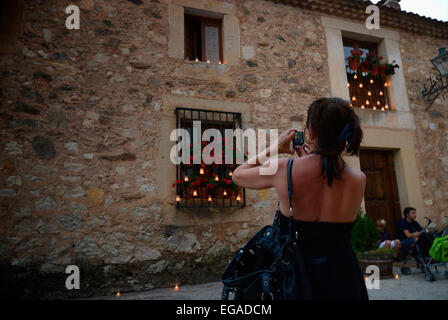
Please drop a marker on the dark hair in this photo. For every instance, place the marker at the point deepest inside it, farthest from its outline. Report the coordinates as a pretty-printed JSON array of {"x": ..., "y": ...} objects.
[
  {"x": 407, "y": 210},
  {"x": 329, "y": 117}
]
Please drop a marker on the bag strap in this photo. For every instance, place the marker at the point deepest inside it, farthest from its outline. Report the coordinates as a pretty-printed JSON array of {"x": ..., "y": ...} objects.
[{"x": 291, "y": 161}]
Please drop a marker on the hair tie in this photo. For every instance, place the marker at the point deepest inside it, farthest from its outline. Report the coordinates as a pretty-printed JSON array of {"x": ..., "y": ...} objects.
[{"x": 345, "y": 133}]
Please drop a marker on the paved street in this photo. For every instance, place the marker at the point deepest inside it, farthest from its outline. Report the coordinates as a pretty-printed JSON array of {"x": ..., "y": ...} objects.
[{"x": 411, "y": 287}]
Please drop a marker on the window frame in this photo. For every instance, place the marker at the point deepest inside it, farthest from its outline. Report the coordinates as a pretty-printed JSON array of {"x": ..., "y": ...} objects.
[
  {"x": 203, "y": 23},
  {"x": 226, "y": 202},
  {"x": 371, "y": 46}
]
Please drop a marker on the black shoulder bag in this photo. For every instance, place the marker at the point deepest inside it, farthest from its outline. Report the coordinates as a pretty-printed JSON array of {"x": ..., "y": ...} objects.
[{"x": 270, "y": 265}]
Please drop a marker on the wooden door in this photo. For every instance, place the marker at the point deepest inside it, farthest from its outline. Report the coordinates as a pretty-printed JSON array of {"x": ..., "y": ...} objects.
[{"x": 381, "y": 195}]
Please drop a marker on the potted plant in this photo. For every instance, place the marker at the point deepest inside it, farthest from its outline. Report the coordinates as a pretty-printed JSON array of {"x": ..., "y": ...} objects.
[
  {"x": 355, "y": 59},
  {"x": 365, "y": 244}
]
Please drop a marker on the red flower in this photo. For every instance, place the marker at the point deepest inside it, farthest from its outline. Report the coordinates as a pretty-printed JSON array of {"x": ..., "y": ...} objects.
[{"x": 174, "y": 184}]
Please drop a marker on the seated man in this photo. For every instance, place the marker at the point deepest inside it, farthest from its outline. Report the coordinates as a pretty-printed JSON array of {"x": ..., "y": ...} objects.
[
  {"x": 408, "y": 229},
  {"x": 384, "y": 238}
]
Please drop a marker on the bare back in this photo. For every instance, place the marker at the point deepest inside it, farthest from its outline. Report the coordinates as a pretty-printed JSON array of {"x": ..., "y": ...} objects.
[{"x": 313, "y": 199}]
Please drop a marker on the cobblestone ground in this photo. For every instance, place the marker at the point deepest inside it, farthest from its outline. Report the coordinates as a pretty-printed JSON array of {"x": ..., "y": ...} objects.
[{"x": 411, "y": 287}]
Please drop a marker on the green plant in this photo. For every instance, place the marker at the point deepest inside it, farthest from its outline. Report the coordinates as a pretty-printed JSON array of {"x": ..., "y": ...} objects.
[{"x": 364, "y": 234}]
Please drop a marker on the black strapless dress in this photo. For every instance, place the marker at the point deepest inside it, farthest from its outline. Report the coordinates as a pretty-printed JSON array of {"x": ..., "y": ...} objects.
[{"x": 331, "y": 264}]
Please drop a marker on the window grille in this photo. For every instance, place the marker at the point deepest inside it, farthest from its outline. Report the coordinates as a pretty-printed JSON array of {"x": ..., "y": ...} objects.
[
  {"x": 368, "y": 90},
  {"x": 208, "y": 185}
]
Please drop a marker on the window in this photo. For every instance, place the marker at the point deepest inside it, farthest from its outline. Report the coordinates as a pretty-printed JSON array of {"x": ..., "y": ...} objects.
[
  {"x": 203, "y": 39},
  {"x": 201, "y": 185},
  {"x": 11, "y": 14},
  {"x": 366, "y": 75}
]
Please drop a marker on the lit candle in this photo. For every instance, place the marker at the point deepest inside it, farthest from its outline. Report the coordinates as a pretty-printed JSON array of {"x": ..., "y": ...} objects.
[
  {"x": 360, "y": 85},
  {"x": 118, "y": 294},
  {"x": 351, "y": 105},
  {"x": 219, "y": 62},
  {"x": 238, "y": 198},
  {"x": 369, "y": 93},
  {"x": 355, "y": 77},
  {"x": 362, "y": 107},
  {"x": 367, "y": 102},
  {"x": 186, "y": 179},
  {"x": 348, "y": 84},
  {"x": 230, "y": 173},
  {"x": 176, "y": 287},
  {"x": 396, "y": 276},
  {"x": 224, "y": 193},
  {"x": 177, "y": 198},
  {"x": 382, "y": 109},
  {"x": 210, "y": 198},
  {"x": 201, "y": 171},
  {"x": 386, "y": 106},
  {"x": 374, "y": 108},
  {"x": 381, "y": 93},
  {"x": 378, "y": 103},
  {"x": 371, "y": 80},
  {"x": 195, "y": 193},
  {"x": 196, "y": 59},
  {"x": 208, "y": 61},
  {"x": 216, "y": 178},
  {"x": 354, "y": 98},
  {"x": 385, "y": 84}
]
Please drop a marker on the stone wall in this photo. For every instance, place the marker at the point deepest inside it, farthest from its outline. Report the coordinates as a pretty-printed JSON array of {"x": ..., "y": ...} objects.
[
  {"x": 431, "y": 126},
  {"x": 81, "y": 114}
]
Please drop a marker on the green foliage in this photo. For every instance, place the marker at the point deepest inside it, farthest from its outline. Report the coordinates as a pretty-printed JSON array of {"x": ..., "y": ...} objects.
[{"x": 364, "y": 234}]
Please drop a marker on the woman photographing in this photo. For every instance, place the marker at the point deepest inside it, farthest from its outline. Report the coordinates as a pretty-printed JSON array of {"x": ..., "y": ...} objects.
[{"x": 326, "y": 196}]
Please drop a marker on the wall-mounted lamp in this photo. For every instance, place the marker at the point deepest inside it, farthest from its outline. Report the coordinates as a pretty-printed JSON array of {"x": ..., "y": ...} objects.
[{"x": 438, "y": 85}]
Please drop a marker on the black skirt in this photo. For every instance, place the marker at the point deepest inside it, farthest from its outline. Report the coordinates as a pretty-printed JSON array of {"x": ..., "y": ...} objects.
[{"x": 331, "y": 265}]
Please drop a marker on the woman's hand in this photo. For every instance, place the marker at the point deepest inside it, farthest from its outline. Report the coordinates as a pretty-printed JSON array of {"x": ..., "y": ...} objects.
[{"x": 284, "y": 141}]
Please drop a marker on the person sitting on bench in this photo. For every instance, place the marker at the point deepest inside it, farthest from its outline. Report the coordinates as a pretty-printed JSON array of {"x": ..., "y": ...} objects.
[
  {"x": 384, "y": 237},
  {"x": 408, "y": 229}
]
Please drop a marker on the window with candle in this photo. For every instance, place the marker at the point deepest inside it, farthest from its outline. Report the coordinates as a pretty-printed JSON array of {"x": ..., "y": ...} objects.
[
  {"x": 203, "y": 39},
  {"x": 204, "y": 185},
  {"x": 367, "y": 75}
]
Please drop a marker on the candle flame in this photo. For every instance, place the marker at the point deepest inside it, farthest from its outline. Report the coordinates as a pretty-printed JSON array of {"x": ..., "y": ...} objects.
[
  {"x": 230, "y": 173},
  {"x": 210, "y": 198},
  {"x": 186, "y": 179},
  {"x": 176, "y": 287},
  {"x": 177, "y": 198},
  {"x": 396, "y": 276},
  {"x": 201, "y": 171},
  {"x": 216, "y": 178},
  {"x": 195, "y": 193},
  {"x": 118, "y": 294},
  {"x": 224, "y": 193},
  {"x": 238, "y": 198}
]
